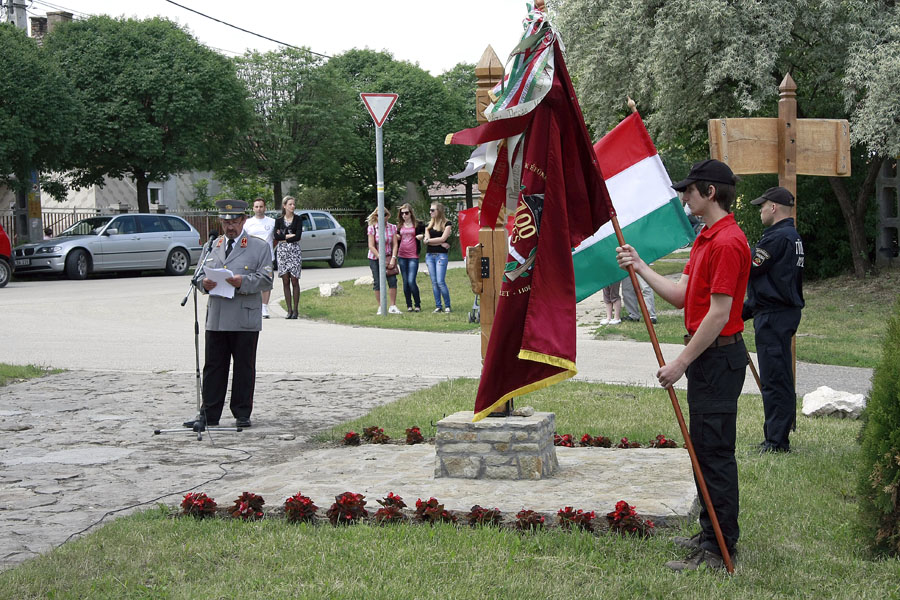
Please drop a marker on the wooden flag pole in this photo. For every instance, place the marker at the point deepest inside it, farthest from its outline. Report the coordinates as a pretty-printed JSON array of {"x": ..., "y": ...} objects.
[
  {"x": 755, "y": 372},
  {"x": 701, "y": 482}
]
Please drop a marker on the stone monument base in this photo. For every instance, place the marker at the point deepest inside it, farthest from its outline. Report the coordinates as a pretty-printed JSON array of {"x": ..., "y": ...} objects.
[{"x": 496, "y": 448}]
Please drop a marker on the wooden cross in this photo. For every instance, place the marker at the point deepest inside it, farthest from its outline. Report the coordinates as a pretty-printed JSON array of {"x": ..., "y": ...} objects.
[{"x": 785, "y": 145}]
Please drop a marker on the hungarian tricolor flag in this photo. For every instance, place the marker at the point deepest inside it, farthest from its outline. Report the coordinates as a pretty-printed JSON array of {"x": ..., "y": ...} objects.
[
  {"x": 543, "y": 167},
  {"x": 647, "y": 208}
]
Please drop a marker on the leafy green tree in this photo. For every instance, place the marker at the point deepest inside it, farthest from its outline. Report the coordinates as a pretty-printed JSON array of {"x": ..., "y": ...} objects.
[
  {"x": 460, "y": 82},
  {"x": 37, "y": 115},
  {"x": 414, "y": 133},
  {"x": 301, "y": 124},
  {"x": 879, "y": 482},
  {"x": 687, "y": 61},
  {"x": 156, "y": 101}
]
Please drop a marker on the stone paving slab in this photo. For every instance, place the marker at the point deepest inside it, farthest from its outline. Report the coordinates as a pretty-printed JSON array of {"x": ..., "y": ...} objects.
[{"x": 657, "y": 482}]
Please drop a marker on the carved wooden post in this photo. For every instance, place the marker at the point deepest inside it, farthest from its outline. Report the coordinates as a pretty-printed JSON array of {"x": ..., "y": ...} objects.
[
  {"x": 489, "y": 71},
  {"x": 787, "y": 165},
  {"x": 787, "y": 139}
]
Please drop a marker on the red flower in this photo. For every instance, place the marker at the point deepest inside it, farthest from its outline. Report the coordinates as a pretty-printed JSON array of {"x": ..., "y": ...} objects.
[
  {"x": 299, "y": 508},
  {"x": 414, "y": 436},
  {"x": 247, "y": 506}
]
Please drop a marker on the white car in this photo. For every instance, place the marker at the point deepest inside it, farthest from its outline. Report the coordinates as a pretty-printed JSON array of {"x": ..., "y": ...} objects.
[
  {"x": 323, "y": 237},
  {"x": 129, "y": 242}
]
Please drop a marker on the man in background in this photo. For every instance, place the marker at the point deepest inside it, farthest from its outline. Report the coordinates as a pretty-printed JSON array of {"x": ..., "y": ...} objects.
[
  {"x": 263, "y": 227},
  {"x": 774, "y": 300}
]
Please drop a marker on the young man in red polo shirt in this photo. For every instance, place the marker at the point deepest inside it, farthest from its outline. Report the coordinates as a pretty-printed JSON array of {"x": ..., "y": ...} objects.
[{"x": 711, "y": 291}]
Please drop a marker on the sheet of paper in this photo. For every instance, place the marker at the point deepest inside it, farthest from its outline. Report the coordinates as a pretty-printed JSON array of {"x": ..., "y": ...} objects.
[{"x": 223, "y": 288}]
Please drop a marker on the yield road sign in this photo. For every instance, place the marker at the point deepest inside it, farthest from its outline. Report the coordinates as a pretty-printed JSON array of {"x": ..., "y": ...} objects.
[{"x": 379, "y": 106}]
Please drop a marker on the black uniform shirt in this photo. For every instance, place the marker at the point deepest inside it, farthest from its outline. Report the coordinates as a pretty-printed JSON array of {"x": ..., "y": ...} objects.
[{"x": 776, "y": 270}]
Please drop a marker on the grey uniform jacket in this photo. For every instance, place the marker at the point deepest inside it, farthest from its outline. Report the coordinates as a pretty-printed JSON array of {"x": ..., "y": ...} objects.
[{"x": 252, "y": 260}]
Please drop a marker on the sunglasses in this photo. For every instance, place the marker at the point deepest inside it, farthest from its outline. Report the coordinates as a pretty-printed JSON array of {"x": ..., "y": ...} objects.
[
  {"x": 432, "y": 210},
  {"x": 404, "y": 212}
]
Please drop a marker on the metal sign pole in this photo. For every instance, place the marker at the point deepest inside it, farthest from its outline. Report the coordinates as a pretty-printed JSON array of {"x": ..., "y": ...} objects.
[
  {"x": 379, "y": 106},
  {"x": 382, "y": 243}
]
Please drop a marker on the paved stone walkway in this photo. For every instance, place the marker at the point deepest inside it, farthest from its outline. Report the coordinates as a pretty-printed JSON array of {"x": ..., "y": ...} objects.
[{"x": 79, "y": 445}]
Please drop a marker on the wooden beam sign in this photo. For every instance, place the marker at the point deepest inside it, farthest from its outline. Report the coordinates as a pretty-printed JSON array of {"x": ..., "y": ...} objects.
[{"x": 750, "y": 146}]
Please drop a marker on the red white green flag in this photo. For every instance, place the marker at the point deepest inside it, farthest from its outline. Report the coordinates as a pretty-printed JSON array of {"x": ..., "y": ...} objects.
[
  {"x": 647, "y": 208},
  {"x": 543, "y": 160}
]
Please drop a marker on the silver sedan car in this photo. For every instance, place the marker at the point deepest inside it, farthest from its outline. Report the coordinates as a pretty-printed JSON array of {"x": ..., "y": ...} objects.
[{"x": 130, "y": 242}]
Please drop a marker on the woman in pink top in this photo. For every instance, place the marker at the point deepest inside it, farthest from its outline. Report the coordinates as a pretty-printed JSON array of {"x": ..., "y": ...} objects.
[
  {"x": 390, "y": 251},
  {"x": 409, "y": 238}
]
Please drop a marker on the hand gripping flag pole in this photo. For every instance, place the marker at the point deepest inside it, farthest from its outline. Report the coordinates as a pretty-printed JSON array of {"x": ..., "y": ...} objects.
[{"x": 701, "y": 482}]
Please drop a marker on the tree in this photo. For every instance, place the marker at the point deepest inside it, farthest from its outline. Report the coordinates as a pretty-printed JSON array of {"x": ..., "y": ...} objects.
[
  {"x": 37, "y": 115},
  {"x": 879, "y": 475},
  {"x": 460, "y": 82},
  {"x": 414, "y": 133},
  {"x": 155, "y": 100},
  {"x": 301, "y": 122},
  {"x": 687, "y": 61}
]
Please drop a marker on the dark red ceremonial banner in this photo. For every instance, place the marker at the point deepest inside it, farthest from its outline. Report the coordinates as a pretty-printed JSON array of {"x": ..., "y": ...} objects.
[{"x": 562, "y": 202}]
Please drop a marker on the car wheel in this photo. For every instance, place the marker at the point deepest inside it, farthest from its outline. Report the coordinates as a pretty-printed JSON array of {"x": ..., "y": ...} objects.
[
  {"x": 337, "y": 257},
  {"x": 77, "y": 264},
  {"x": 5, "y": 272},
  {"x": 178, "y": 262}
]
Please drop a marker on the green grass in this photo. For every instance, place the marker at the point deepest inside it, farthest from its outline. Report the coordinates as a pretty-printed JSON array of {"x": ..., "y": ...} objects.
[
  {"x": 357, "y": 306},
  {"x": 13, "y": 373},
  {"x": 843, "y": 321},
  {"x": 797, "y": 531}
]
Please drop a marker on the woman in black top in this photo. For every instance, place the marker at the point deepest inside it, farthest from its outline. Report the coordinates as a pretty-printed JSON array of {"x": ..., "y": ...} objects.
[
  {"x": 437, "y": 244},
  {"x": 288, "y": 230}
]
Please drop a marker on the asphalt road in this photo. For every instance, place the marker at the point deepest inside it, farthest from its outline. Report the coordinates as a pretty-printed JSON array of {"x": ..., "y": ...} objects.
[{"x": 136, "y": 323}]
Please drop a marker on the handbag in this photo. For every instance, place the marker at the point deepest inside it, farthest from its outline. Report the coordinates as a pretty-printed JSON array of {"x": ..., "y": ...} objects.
[{"x": 389, "y": 270}]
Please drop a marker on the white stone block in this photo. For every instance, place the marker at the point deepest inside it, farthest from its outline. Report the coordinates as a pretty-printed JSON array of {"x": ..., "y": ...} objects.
[
  {"x": 825, "y": 401},
  {"x": 364, "y": 280},
  {"x": 327, "y": 290}
]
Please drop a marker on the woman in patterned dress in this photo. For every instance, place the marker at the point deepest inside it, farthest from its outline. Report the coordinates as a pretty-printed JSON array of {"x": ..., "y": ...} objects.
[{"x": 287, "y": 235}]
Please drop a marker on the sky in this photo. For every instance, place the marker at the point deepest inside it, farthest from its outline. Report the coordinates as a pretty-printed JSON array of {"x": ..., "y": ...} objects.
[{"x": 436, "y": 34}]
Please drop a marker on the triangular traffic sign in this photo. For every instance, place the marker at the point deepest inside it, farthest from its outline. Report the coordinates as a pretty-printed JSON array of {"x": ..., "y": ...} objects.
[{"x": 379, "y": 106}]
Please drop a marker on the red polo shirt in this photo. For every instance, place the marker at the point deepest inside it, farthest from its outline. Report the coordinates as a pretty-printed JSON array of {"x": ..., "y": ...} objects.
[{"x": 719, "y": 264}]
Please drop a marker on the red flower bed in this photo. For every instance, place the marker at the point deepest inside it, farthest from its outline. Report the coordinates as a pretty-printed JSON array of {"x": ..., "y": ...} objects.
[
  {"x": 299, "y": 508},
  {"x": 570, "y": 518},
  {"x": 248, "y": 506},
  {"x": 625, "y": 520},
  {"x": 347, "y": 508},
  {"x": 432, "y": 511},
  {"x": 198, "y": 505},
  {"x": 414, "y": 436}
]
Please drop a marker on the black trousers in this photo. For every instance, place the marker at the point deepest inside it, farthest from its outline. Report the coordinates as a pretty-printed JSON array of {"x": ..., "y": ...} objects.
[
  {"x": 221, "y": 348},
  {"x": 773, "y": 346},
  {"x": 715, "y": 380}
]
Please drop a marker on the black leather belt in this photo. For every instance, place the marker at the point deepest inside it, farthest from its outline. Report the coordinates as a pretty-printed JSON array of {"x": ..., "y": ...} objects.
[{"x": 722, "y": 340}]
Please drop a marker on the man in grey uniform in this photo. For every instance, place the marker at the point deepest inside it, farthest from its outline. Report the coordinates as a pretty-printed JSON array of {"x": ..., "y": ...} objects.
[{"x": 233, "y": 324}]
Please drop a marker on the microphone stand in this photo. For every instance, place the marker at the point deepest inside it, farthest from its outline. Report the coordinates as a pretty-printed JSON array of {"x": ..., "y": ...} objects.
[{"x": 192, "y": 289}]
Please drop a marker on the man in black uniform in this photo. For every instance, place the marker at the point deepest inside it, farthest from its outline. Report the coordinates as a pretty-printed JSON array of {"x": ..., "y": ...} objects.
[{"x": 774, "y": 300}]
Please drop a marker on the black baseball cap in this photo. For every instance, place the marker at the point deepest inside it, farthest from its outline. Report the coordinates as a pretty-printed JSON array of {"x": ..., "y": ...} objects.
[
  {"x": 711, "y": 170},
  {"x": 778, "y": 195}
]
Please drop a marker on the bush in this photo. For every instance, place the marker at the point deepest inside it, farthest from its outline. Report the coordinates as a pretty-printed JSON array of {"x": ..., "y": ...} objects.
[{"x": 879, "y": 484}]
